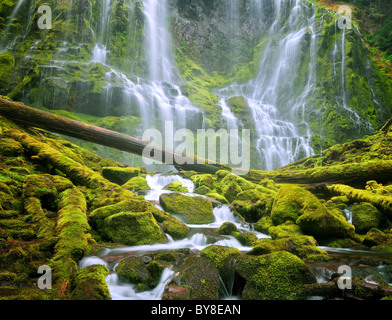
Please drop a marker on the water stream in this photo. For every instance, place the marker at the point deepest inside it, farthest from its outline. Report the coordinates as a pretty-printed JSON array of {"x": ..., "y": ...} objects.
[{"x": 196, "y": 240}]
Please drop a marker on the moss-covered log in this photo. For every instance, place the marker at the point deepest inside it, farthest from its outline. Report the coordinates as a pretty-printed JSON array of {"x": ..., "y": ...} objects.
[
  {"x": 382, "y": 202},
  {"x": 352, "y": 174},
  {"x": 45, "y": 120}
]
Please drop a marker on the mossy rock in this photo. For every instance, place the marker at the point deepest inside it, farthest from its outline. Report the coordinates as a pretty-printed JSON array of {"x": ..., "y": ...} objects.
[
  {"x": 202, "y": 276},
  {"x": 223, "y": 258},
  {"x": 217, "y": 197},
  {"x": 264, "y": 224},
  {"x": 90, "y": 284},
  {"x": 287, "y": 229},
  {"x": 250, "y": 211},
  {"x": 230, "y": 185},
  {"x": 275, "y": 276},
  {"x": 365, "y": 217},
  {"x": 121, "y": 175},
  {"x": 176, "y": 186},
  {"x": 176, "y": 229},
  {"x": 132, "y": 228},
  {"x": 289, "y": 202},
  {"x": 320, "y": 222},
  {"x": 137, "y": 184},
  {"x": 375, "y": 237},
  {"x": 227, "y": 228},
  {"x": 97, "y": 217},
  {"x": 203, "y": 190},
  {"x": 305, "y": 247},
  {"x": 194, "y": 210},
  {"x": 200, "y": 180},
  {"x": 134, "y": 271}
]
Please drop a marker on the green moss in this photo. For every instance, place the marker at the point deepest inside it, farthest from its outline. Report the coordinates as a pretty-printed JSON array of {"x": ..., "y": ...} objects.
[
  {"x": 137, "y": 184},
  {"x": 176, "y": 186},
  {"x": 194, "y": 210},
  {"x": 132, "y": 228},
  {"x": 7, "y": 64},
  {"x": 365, "y": 217},
  {"x": 206, "y": 180},
  {"x": 375, "y": 237},
  {"x": 176, "y": 229},
  {"x": 227, "y": 228},
  {"x": 72, "y": 231},
  {"x": 121, "y": 175},
  {"x": 202, "y": 276},
  {"x": 284, "y": 230},
  {"x": 134, "y": 271},
  {"x": 305, "y": 247},
  {"x": 289, "y": 202},
  {"x": 275, "y": 276},
  {"x": 90, "y": 284}
]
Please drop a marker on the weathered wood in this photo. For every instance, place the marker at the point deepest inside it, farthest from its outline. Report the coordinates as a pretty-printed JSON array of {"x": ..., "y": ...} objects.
[{"x": 26, "y": 115}]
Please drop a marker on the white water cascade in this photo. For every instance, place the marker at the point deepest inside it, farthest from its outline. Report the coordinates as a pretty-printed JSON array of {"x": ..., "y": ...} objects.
[
  {"x": 282, "y": 133},
  {"x": 157, "y": 99}
]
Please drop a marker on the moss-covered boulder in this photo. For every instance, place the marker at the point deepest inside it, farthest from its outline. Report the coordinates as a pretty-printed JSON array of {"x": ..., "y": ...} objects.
[
  {"x": 193, "y": 210},
  {"x": 365, "y": 217},
  {"x": 176, "y": 186},
  {"x": 320, "y": 222},
  {"x": 287, "y": 229},
  {"x": 134, "y": 270},
  {"x": 206, "y": 180},
  {"x": 132, "y": 228},
  {"x": 90, "y": 284},
  {"x": 376, "y": 237},
  {"x": 227, "y": 228},
  {"x": 223, "y": 258},
  {"x": 305, "y": 247},
  {"x": 137, "y": 184},
  {"x": 176, "y": 229},
  {"x": 289, "y": 202},
  {"x": 121, "y": 175},
  {"x": 202, "y": 276},
  {"x": 275, "y": 276},
  {"x": 264, "y": 224}
]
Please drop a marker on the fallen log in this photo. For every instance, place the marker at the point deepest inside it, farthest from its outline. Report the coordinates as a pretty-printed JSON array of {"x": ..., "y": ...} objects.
[
  {"x": 382, "y": 202},
  {"x": 356, "y": 174},
  {"x": 32, "y": 117}
]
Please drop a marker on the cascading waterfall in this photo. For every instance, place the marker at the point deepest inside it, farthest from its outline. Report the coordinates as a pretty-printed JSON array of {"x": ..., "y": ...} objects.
[
  {"x": 278, "y": 104},
  {"x": 157, "y": 99},
  {"x": 100, "y": 49},
  {"x": 280, "y": 128}
]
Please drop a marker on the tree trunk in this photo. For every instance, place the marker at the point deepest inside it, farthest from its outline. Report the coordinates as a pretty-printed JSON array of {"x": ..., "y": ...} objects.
[{"x": 23, "y": 114}]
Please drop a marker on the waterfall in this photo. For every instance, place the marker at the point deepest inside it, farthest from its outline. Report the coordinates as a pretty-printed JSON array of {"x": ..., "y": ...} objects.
[{"x": 282, "y": 134}]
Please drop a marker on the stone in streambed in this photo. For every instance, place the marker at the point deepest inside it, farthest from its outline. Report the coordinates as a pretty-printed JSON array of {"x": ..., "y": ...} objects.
[
  {"x": 132, "y": 228},
  {"x": 193, "y": 210}
]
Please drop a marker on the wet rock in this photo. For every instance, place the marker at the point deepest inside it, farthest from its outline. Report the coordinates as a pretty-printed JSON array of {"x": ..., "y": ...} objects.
[
  {"x": 132, "y": 228},
  {"x": 201, "y": 275},
  {"x": 194, "y": 210}
]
